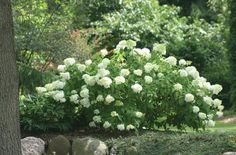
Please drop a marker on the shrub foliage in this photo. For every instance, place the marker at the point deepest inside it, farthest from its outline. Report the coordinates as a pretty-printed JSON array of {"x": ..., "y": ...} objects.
[{"x": 126, "y": 89}]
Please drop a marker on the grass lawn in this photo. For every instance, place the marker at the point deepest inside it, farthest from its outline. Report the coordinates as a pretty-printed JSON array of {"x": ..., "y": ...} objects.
[
  {"x": 219, "y": 127},
  {"x": 223, "y": 127}
]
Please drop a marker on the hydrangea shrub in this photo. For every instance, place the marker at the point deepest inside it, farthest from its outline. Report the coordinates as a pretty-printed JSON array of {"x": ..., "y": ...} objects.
[{"x": 131, "y": 88}]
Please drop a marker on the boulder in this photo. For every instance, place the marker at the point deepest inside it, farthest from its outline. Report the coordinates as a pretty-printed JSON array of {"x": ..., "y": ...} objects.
[
  {"x": 89, "y": 146},
  {"x": 59, "y": 145},
  {"x": 32, "y": 146}
]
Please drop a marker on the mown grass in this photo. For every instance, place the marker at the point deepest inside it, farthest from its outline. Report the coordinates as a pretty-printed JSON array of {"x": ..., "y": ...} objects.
[
  {"x": 223, "y": 127},
  {"x": 219, "y": 127}
]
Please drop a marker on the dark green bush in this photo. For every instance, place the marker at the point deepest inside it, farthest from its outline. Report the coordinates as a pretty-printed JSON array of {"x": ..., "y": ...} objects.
[
  {"x": 40, "y": 114},
  {"x": 162, "y": 143}
]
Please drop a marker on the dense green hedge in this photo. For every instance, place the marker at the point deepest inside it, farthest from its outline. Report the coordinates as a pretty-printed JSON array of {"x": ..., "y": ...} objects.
[{"x": 164, "y": 143}]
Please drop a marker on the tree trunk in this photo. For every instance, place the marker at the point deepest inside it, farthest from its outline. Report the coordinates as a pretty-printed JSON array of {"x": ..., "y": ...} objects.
[
  {"x": 232, "y": 51},
  {"x": 9, "y": 105}
]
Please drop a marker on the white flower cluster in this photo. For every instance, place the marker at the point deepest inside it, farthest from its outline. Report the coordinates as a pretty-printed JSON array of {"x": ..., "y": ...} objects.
[
  {"x": 106, "y": 124},
  {"x": 119, "y": 80},
  {"x": 182, "y": 62},
  {"x": 124, "y": 72},
  {"x": 105, "y": 82},
  {"x": 114, "y": 114},
  {"x": 121, "y": 127},
  {"x": 189, "y": 97},
  {"x": 130, "y": 127},
  {"x": 148, "y": 79},
  {"x": 88, "y": 62},
  {"x": 54, "y": 90},
  {"x": 109, "y": 99},
  {"x": 55, "y": 85},
  {"x": 61, "y": 68},
  {"x": 138, "y": 72},
  {"x": 81, "y": 67},
  {"x": 85, "y": 102},
  {"x": 171, "y": 60},
  {"x": 145, "y": 52},
  {"x": 126, "y": 44},
  {"x": 148, "y": 67},
  {"x": 100, "y": 98},
  {"x": 69, "y": 61},
  {"x": 97, "y": 119},
  {"x": 89, "y": 80},
  {"x": 84, "y": 93},
  {"x": 74, "y": 98},
  {"x": 139, "y": 114},
  {"x": 65, "y": 76},
  {"x": 59, "y": 96},
  {"x": 104, "y": 52},
  {"x": 178, "y": 86},
  {"x": 192, "y": 71},
  {"x": 137, "y": 88},
  {"x": 41, "y": 90}
]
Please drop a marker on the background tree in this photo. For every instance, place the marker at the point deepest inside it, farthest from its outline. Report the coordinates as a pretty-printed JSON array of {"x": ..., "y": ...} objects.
[
  {"x": 87, "y": 11},
  {"x": 185, "y": 5},
  {"x": 199, "y": 8},
  {"x": 42, "y": 30},
  {"x": 9, "y": 105},
  {"x": 232, "y": 51}
]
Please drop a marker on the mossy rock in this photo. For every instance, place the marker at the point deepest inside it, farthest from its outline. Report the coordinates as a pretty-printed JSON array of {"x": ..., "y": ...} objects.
[
  {"x": 89, "y": 146},
  {"x": 60, "y": 145}
]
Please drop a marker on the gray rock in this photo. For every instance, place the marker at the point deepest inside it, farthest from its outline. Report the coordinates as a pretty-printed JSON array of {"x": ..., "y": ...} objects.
[
  {"x": 32, "y": 146},
  {"x": 89, "y": 146},
  {"x": 229, "y": 153},
  {"x": 59, "y": 145}
]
